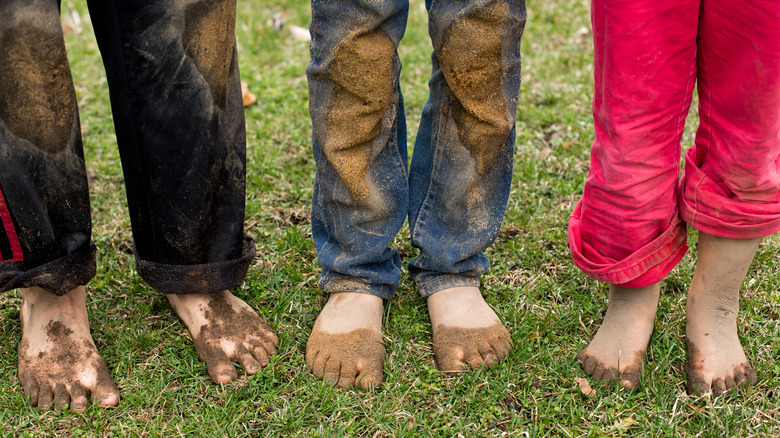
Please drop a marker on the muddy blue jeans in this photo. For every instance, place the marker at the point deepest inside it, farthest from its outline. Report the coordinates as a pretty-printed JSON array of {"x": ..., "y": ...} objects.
[
  {"x": 456, "y": 189},
  {"x": 176, "y": 101}
]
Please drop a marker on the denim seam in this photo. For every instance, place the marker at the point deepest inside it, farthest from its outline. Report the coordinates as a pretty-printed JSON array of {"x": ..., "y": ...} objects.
[{"x": 420, "y": 220}]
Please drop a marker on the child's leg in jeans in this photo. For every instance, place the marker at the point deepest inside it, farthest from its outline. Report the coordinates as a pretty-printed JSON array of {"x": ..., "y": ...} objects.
[
  {"x": 360, "y": 192},
  {"x": 716, "y": 360},
  {"x": 461, "y": 173}
]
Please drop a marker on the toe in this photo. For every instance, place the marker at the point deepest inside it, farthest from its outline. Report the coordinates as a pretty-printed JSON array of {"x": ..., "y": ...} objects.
[
  {"x": 347, "y": 374},
  {"x": 30, "y": 386},
  {"x": 45, "y": 396},
  {"x": 318, "y": 366},
  {"x": 78, "y": 398},
  {"x": 489, "y": 356},
  {"x": 597, "y": 369},
  {"x": 261, "y": 355},
  {"x": 219, "y": 367},
  {"x": 332, "y": 370},
  {"x": 248, "y": 361},
  {"x": 697, "y": 385},
  {"x": 501, "y": 348},
  {"x": 739, "y": 376},
  {"x": 750, "y": 374},
  {"x": 729, "y": 382},
  {"x": 718, "y": 386},
  {"x": 370, "y": 378},
  {"x": 61, "y": 398}
]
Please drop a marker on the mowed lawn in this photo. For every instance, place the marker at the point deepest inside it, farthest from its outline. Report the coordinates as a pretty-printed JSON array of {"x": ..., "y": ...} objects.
[{"x": 550, "y": 307}]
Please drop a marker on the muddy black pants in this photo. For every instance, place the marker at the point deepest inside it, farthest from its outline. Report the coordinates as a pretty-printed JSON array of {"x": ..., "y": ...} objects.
[{"x": 176, "y": 101}]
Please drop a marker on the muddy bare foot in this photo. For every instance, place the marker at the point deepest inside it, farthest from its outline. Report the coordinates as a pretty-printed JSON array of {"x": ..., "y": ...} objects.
[
  {"x": 716, "y": 361},
  {"x": 345, "y": 346},
  {"x": 59, "y": 366},
  {"x": 617, "y": 351},
  {"x": 466, "y": 331},
  {"x": 225, "y": 330}
]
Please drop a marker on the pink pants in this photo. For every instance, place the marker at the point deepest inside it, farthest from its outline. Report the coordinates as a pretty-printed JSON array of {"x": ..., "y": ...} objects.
[{"x": 629, "y": 227}]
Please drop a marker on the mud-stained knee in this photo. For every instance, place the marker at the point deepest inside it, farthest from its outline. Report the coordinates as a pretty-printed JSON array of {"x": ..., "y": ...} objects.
[
  {"x": 471, "y": 60},
  {"x": 209, "y": 37},
  {"x": 362, "y": 73},
  {"x": 37, "y": 99}
]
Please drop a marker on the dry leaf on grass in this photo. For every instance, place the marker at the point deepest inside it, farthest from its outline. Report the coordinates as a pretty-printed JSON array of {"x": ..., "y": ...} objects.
[{"x": 585, "y": 387}]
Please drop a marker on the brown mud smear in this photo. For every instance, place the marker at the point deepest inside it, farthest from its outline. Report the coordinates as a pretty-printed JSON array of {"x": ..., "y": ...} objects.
[
  {"x": 362, "y": 71},
  {"x": 208, "y": 39},
  {"x": 354, "y": 358},
  {"x": 242, "y": 327},
  {"x": 629, "y": 376},
  {"x": 470, "y": 60},
  {"x": 37, "y": 100},
  {"x": 479, "y": 347},
  {"x": 52, "y": 378},
  {"x": 742, "y": 374}
]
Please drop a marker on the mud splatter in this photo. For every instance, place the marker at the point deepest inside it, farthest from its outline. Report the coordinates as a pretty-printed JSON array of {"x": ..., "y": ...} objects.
[
  {"x": 362, "y": 72},
  {"x": 349, "y": 359},
  {"x": 629, "y": 376},
  {"x": 240, "y": 326},
  {"x": 470, "y": 59},
  {"x": 481, "y": 347},
  {"x": 37, "y": 99},
  {"x": 697, "y": 383},
  {"x": 209, "y": 37}
]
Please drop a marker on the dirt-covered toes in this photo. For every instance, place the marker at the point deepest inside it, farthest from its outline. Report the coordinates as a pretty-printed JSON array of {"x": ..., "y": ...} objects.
[
  {"x": 352, "y": 359},
  {"x": 628, "y": 373},
  {"x": 457, "y": 349},
  {"x": 225, "y": 330},
  {"x": 716, "y": 374},
  {"x": 64, "y": 372}
]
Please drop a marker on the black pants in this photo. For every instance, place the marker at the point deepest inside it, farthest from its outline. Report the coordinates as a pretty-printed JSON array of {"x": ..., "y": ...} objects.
[{"x": 176, "y": 99}]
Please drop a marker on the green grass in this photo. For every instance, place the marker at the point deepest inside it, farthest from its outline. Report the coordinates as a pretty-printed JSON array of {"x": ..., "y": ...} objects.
[{"x": 551, "y": 308}]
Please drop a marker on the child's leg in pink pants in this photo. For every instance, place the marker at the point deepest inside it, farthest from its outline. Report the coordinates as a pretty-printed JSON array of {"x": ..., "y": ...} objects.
[
  {"x": 730, "y": 186},
  {"x": 626, "y": 230}
]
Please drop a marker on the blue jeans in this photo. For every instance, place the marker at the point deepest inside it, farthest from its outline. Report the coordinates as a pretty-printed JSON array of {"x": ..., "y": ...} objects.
[{"x": 457, "y": 185}]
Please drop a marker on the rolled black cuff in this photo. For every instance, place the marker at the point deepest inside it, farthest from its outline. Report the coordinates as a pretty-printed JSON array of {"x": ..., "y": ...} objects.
[
  {"x": 59, "y": 276},
  {"x": 204, "y": 278}
]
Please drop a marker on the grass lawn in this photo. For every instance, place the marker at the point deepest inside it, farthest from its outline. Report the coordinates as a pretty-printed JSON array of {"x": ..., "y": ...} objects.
[{"x": 550, "y": 307}]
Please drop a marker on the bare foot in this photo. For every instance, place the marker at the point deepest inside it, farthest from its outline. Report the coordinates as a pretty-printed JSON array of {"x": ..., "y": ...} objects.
[
  {"x": 716, "y": 361},
  {"x": 59, "y": 365},
  {"x": 345, "y": 346},
  {"x": 225, "y": 329},
  {"x": 466, "y": 330},
  {"x": 618, "y": 349}
]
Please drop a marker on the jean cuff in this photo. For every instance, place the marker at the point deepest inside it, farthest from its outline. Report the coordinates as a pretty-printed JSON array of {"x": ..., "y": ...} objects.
[
  {"x": 59, "y": 276},
  {"x": 197, "y": 279},
  {"x": 333, "y": 283},
  {"x": 435, "y": 283}
]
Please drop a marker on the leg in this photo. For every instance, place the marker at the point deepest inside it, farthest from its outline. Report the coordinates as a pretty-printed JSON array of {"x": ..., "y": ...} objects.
[
  {"x": 176, "y": 97},
  {"x": 617, "y": 351},
  {"x": 730, "y": 181},
  {"x": 360, "y": 191},
  {"x": 626, "y": 230},
  {"x": 461, "y": 172},
  {"x": 45, "y": 246},
  {"x": 716, "y": 360}
]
